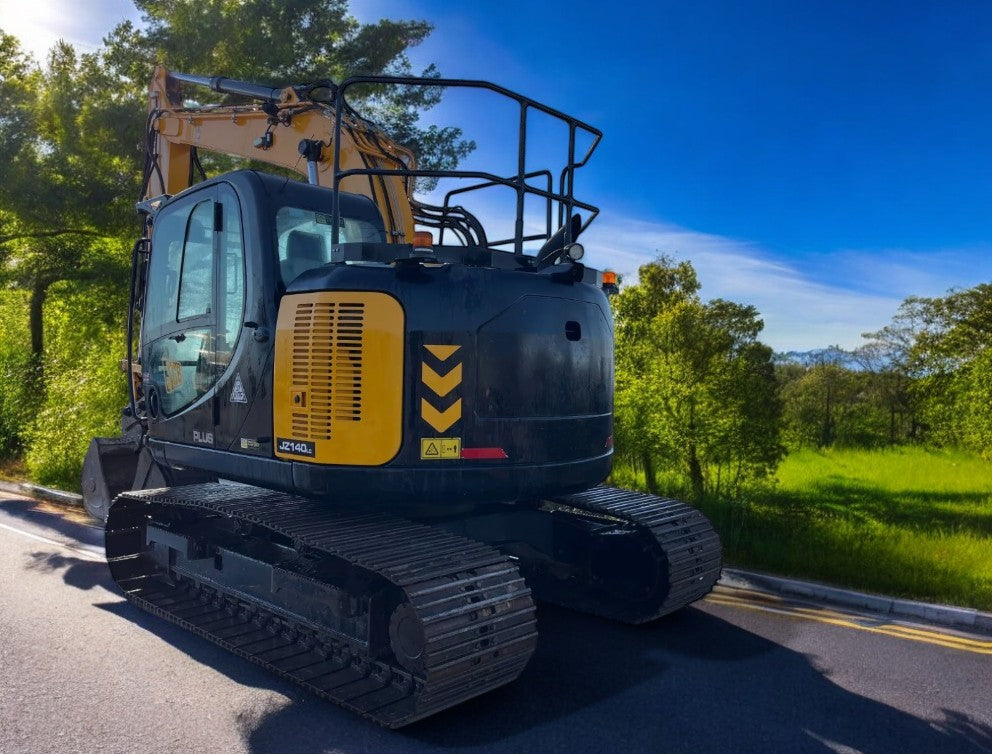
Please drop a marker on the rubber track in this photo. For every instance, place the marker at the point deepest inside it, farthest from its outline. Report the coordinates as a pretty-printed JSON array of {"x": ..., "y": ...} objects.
[
  {"x": 685, "y": 537},
  {"x": 475, "y": 609}
]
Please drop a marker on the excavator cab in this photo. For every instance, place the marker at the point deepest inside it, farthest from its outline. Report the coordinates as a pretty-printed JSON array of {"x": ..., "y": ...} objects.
[{"x": 364, "y": 370}]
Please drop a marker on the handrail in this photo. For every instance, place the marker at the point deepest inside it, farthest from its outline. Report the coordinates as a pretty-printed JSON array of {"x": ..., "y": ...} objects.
[{"x": 565, "y": 196}]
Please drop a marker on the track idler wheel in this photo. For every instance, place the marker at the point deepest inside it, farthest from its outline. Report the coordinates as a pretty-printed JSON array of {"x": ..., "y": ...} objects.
[{"x": 406, "y": 638}]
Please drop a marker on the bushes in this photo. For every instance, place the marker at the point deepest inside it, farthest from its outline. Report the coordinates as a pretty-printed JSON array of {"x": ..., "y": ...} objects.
[
  {"x": 17, "y": 405},
  {"x": 83, "y": 400},
  {"x": 85, "y": 388}
]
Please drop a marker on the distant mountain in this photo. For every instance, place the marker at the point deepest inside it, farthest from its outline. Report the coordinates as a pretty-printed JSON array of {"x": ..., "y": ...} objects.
[{"x": 829, "y": 355}]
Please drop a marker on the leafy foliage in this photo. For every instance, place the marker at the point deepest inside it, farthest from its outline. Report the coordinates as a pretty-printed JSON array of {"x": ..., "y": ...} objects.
[
  {"x": 70, "y": 183},
  {"x": 85, "y": 387},
  {"x": 925, "y": 378},
  {"x": 695, "y": 388},
  {"x": 951, "y": 361},
  {"x": 16, "y": 406},
  {"x": 288, "y": 43},
  {"x": 836, "y": 398}
]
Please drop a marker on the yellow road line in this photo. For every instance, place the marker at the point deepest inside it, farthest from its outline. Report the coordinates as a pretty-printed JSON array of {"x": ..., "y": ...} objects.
[
  {"x": 764, "y": 598},
  {"x": 818, "y": 612},
  {"x": 834, "y": 618}
]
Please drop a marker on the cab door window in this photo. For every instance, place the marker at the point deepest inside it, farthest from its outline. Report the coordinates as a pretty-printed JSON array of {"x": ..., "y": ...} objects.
[
  {"x": 162, "y": 279},
  {"x": 196, "y": 284},
  {"x": 194, "y": 299},
  {"x": 177, "y": 327}
]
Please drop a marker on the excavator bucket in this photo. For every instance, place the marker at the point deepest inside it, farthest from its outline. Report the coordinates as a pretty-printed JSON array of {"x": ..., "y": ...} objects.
[
  {"x": 109, "y": 469},
  {"x": 120, "y": 464}
]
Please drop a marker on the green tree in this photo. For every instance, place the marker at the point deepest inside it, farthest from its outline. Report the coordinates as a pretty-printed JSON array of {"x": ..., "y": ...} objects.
[
  {"x": 69, "y": 181},
  {"x": 950, "y": 364},
  {"x": 290, "y": 43},
  {"x": 696, "y": 389},
  {"x": 885, "y": 358},
  {"x": 829, "y": 401}
]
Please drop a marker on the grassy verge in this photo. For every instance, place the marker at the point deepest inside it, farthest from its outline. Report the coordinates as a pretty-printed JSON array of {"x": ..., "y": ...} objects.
[
  {"x": 12, "y": 470},
  {"x": 906, "y": 522}
]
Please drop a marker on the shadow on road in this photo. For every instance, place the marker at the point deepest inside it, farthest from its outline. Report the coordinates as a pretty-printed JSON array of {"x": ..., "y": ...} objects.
[
  {"x": 78, "y": 572},
  {"x": 74, "y": 524},
  {"x": 691, "y": 682},
  {"x": 197, "y": 649}
]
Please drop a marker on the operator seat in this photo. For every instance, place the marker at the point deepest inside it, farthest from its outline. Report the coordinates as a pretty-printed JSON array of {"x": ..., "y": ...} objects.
[{"x": 304, "y": 251}]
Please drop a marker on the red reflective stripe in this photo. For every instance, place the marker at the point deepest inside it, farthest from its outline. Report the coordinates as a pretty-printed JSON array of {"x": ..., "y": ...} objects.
[{"x": 473, "y": 454}]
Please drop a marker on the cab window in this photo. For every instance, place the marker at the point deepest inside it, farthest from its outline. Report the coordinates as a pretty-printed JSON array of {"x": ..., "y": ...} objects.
[{"x": 304, "y": 238}]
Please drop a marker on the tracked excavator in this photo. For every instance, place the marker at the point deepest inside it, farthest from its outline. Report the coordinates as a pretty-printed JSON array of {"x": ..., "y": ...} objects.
[{"x": 354, "y": 455}]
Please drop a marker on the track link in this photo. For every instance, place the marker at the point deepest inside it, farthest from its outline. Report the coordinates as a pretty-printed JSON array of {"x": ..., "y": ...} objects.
[{"x": 473, "y": 611}]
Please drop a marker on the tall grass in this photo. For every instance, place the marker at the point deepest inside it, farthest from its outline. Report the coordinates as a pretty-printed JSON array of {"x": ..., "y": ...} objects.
[{"x": 908, "y": 522}]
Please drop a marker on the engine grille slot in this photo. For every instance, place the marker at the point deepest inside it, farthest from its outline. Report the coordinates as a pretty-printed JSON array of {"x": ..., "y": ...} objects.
[{"x": 328, "y": 339}]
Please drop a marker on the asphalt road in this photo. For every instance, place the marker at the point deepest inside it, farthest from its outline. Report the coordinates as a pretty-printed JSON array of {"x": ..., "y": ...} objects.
[{"x": 82, "y": 670}]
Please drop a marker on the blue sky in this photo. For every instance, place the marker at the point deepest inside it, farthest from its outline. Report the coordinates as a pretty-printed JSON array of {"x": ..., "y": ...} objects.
[{"x": 820, "y": 160}]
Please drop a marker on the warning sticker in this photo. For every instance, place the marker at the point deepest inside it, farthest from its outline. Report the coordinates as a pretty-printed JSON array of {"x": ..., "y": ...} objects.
[
  {"x": 238, "y": 394},
  {"x": 436, "y": 448}
]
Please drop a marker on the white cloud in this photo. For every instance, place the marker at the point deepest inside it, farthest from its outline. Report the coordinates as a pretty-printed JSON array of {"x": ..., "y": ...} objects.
[{"x": 809, "y": 302}]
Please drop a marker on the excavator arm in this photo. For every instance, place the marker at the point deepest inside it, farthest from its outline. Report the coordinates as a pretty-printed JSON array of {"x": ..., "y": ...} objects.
[{"x": 287, "y": 127}]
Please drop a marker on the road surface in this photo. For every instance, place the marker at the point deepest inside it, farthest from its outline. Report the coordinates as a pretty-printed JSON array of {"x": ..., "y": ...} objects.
[{"x": 83, "y": 670}]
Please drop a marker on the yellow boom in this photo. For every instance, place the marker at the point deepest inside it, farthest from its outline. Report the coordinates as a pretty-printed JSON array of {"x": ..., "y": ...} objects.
[{"x": 288, "y": 129}]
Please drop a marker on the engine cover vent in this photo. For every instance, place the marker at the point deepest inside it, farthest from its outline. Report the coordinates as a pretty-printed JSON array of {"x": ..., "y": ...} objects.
[{"x": 338, "y": 377}]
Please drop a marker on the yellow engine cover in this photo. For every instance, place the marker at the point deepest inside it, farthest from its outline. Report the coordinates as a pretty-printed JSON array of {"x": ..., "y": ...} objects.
[{"x": 338, "y": 383}]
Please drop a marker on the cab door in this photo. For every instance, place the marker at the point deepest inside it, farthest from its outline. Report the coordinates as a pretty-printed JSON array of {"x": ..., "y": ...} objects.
[{"x": 192, "y": 316}]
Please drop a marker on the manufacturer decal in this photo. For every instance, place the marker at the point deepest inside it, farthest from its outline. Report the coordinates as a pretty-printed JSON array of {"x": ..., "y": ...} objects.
[
  {"x": 437, "y": 448},
  {"x": 173, "y": 376},
  {"x": 238, "y": 391},
  {"x": 296, "y": 447},
  {"x": 248, "y": 444},
  {"x": 204, "y": 438}
]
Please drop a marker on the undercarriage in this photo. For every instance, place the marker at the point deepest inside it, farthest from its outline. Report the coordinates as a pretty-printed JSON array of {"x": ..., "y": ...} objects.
[{"x": 392, "y": 618}]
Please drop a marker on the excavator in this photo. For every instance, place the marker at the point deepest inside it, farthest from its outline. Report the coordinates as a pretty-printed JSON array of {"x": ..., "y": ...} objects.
[{"x": 353, "y": 454}]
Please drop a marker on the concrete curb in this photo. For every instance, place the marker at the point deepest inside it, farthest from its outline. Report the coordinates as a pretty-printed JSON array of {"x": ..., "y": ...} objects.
[
  {"x": 890, "y": 607},
  {"x": 941, "y": 615},
  {"x": 42, "y": 493}
]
